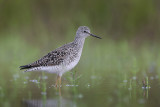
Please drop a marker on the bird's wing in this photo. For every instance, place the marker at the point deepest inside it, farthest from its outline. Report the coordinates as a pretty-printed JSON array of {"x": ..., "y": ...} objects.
[{"x": 52, "y": 58}]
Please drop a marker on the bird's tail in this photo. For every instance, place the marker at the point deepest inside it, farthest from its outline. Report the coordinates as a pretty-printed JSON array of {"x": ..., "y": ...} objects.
[{"x": 25, "y": 67}]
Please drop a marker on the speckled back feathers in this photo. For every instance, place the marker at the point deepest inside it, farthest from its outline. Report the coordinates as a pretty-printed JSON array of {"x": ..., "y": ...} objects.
[
  {"x": 63, "y": 58},
  {"x": 64, "y": 54}
]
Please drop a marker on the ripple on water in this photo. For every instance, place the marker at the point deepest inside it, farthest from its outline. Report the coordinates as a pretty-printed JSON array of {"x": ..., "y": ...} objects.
[
  {"x": 15, "y": 76},
  {"x": 152, "y": 78},
  {"x": 141, "y": 101},
  {"x": 27, "y": 77},
  {"x": 80, "y": 95},
  {"x": 43, "y": 93},
  {"x": 125, "y": 81},
  {"x": 156, "y": 76},
  {"x": 25, "y": 82},
  {"x": 34, "y": 81},
  {"x": 69, "y": 85},
  {"x": 129, "y": 89},
  {"x": 146, "y": 88},
  {"x": 134, "y": 77},
  {"x": 44, "y": 77},
  {"x": 88, "y": 85},
  {"x": 93, "y": 77}
]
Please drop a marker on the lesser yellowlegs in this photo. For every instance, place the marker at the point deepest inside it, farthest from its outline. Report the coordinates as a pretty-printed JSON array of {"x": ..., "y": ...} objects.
[{"x": 63, "y": 58}]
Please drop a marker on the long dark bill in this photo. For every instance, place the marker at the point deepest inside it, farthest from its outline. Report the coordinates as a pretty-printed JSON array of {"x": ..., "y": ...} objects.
[{"x": 94, "y": 35}]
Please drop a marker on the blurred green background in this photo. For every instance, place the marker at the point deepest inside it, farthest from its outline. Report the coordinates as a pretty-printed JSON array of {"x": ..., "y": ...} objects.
[
  {"x": 127, "y": 54},
  {"x": 116, "y": 19}
]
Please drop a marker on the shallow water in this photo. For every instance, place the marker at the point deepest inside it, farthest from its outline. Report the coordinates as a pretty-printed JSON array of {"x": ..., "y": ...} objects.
[{"x": 36, "y": 89}]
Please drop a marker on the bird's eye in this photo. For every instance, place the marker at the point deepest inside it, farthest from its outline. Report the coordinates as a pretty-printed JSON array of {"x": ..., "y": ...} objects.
[{"x": 85, "y": 31}]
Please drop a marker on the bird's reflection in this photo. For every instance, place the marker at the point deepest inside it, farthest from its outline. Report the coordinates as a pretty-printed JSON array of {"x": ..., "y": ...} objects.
[
  {"x": 57, "y": 101},
  {"x": 59, "y": 90}
]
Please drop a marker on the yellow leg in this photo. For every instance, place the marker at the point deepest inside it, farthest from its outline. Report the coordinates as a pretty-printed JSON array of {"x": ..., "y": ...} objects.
[
  {"x": 59, "y": 85},
  {"x": 57, "y": 81}
]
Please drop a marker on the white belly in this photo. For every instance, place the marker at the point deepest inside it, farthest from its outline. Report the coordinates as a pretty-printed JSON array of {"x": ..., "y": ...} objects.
[{"x": 58, "y": 69}]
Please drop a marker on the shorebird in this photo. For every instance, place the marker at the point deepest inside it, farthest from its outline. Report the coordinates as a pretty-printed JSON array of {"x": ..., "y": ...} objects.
[{"x": 62, "y": 59}]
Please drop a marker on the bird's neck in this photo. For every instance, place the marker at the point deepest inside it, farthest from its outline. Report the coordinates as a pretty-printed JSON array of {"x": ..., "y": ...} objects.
[{"x": 79, "y": 41}]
